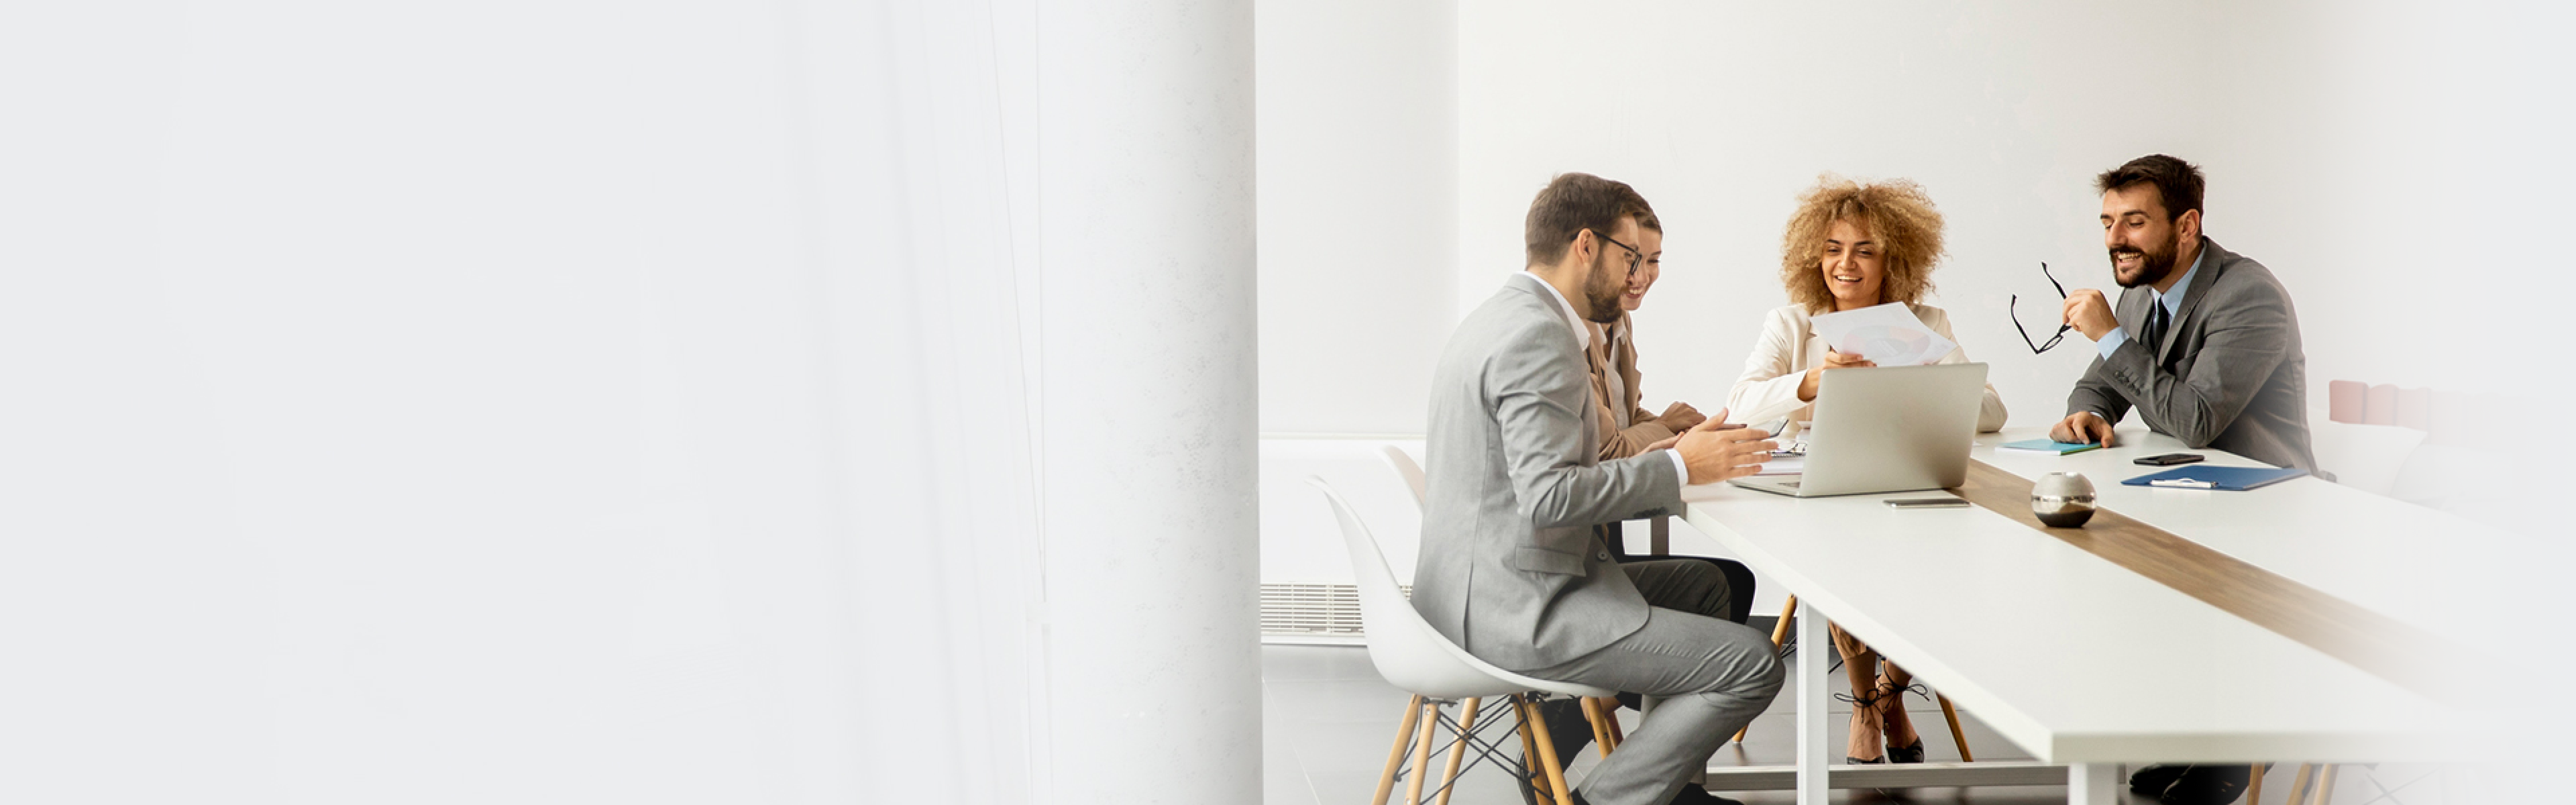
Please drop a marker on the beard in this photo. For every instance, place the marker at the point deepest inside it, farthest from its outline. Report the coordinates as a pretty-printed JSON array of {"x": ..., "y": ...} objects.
[
  {"x": 1603, "y": 289},
  {"x": 2152, "y": 267}
]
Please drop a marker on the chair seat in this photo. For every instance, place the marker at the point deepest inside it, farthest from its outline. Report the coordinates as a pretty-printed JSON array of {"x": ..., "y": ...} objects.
[{"x": 1406, "y": 650}]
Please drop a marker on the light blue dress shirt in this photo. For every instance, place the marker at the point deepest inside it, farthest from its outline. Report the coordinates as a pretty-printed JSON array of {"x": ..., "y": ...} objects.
[{"x": 2112, "y": 340}]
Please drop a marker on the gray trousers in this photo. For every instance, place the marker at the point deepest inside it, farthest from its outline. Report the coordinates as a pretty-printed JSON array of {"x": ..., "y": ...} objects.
[{"x": 1715, "y": 676}]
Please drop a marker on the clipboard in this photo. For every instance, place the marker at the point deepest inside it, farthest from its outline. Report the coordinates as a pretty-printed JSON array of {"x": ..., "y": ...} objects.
[{"x": 2224, "y": 479}]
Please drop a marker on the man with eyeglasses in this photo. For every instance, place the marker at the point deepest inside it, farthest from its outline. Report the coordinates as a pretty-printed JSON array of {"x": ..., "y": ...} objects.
[
  {"x": 2204, "y": 344},
  {"x": 1511, "y": 568}
]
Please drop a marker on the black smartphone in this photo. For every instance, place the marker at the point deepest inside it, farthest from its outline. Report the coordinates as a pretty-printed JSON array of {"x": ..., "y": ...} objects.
[
  {"x": 2168, "y": 459},
  {"x": 1927, "y": 503}
]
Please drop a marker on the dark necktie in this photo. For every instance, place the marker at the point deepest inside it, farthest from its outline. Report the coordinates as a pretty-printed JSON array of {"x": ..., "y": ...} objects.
[{"x": 2155, "y": 326}]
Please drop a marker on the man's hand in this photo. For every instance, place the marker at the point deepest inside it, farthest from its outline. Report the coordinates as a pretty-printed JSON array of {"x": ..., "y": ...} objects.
[
  {"x": 1833, "y": 360},
  {"x": 2081, "y": 427},
  {"x": 1680, "y": 417},
  {"x": 1665, "y": 443},
  {"x": 1718, "y": 450},
  {"x": 2089, "y": 312}
]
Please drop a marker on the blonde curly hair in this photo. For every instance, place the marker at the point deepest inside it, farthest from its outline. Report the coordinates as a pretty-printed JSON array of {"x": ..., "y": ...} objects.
[{"x": 1897, "y": 214}]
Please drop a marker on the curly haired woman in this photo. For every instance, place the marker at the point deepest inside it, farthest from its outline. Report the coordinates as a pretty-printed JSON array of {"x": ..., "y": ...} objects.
[{"x": 1851, "y": 245}]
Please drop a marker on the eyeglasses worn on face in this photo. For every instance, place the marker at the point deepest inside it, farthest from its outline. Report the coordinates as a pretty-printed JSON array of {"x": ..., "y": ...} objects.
[
  {"x": 1634, "y": 256},
  {"x": 2013, "y": 308}
]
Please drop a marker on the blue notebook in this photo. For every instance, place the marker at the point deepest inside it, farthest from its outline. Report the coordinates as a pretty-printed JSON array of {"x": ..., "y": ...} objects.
[
  {"x": 2047, "y": 446},
  {"x": 2228, "y": 479}
]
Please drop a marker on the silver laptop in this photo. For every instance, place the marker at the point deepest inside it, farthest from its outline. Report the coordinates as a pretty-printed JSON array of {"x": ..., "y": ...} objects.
[{"x": 1887, "y": 429}]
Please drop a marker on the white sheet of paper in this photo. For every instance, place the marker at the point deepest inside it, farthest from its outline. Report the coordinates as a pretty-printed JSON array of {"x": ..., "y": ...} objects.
[{"x": 1888, "y": 335}]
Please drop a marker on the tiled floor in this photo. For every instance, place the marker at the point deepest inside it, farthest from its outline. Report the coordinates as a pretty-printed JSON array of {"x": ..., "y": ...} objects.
[{"x": 1328, "y": 721}]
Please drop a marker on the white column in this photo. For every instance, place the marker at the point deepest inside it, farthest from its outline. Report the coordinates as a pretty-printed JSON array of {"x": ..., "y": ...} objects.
[
  {"x": 1813, "y": 727},
  {"x": 1147, "y": 401}
]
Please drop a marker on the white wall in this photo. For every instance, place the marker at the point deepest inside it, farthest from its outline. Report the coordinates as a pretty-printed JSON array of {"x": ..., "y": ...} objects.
[
  {"x": 2406, "y": 160},
  {"x": 1300, "y": 542},
  {"x": 1722, "y": 113},
  {"x": 1358, "y": 173},
  {"x": 2309, "y": 120}
]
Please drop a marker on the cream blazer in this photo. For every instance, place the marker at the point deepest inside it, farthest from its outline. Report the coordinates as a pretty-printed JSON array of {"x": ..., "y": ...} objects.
[{"x": 1768, "y": 389}]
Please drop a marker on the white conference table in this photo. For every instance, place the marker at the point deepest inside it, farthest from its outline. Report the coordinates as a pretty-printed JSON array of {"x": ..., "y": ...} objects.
[
  {"x": 2426, "y": 568},
  {"x": 2078, "y": 660}
]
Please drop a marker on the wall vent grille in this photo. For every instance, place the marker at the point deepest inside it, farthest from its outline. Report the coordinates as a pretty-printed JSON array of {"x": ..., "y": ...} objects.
[{"x": 1313, "y": 609}]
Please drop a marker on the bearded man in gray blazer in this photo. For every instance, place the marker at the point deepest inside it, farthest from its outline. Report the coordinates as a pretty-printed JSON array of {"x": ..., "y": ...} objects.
[
  {"x": 2204, "y": 344},
  {"x": 1510, "y": 567}
]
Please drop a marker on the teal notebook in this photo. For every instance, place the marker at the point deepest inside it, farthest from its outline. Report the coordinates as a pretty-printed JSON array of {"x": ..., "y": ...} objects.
[{"x": 2047, "y": 446}]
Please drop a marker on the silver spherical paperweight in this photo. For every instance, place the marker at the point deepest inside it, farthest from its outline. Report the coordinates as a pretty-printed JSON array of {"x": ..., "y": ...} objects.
[{"x": 2062, "y": 499}]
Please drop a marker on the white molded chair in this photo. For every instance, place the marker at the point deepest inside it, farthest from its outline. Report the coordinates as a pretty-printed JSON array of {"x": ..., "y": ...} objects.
[
  {"x": 1413, "y": 656},
  {"x": 2364, "y": 457},
  {"x": 1404, "y": 466}
]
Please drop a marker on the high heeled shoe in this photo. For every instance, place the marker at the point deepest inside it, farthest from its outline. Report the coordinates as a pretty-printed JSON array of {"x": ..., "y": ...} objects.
[
  {"x": 1906, "y": 754},
  {"x": 1860, "y": 705},
  {"x": 1894, "y": 697}
]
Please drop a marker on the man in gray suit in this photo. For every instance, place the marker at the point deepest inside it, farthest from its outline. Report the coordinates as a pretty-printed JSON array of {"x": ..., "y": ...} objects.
[
  {"x": 1510, "y": 568},
  {"x": 2205, "y": 343},
  {"x": 2208, "y": 354}
]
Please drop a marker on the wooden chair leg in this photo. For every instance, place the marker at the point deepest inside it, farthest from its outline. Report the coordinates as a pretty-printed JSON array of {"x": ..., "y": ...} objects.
[
  {"x": 1395, "y": 756},
  {"x": 2299, "y": 783},
  {"x": 1422, "y": 752},
  {"x": 1779, "y": 634},
  {"x": 1547, "y": 754},
  {"x": 1458, "y": 751},
  {"x": 1600, "y": 735},
  {"x": 1957, "y": 735},
  {"x": 2325, "y": 787},
  {"x": 1610, "y": 719},
  {"x": 1530, "y": 775}
]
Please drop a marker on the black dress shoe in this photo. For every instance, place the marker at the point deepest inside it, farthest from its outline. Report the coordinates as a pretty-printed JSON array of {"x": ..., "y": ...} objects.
[
  {"x": 2179, "y": 784},
  {"x": 1693, "y": 794},
  {"x": 2153, "y": 780},
  {"x": 2207, "y": 785}
]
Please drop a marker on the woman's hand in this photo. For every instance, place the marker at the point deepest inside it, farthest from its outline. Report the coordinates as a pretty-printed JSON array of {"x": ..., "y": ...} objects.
[
  {"x": 1833, "y": 360},
  {"x": 1680, "y": 417}
]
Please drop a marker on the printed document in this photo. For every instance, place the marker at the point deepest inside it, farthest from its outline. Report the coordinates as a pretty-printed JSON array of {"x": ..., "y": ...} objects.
[{"x": 1888, "y": 335}]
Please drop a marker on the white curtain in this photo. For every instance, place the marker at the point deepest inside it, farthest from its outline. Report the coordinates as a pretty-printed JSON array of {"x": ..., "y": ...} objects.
[
  {"x": 928, "y": 208},
  {"x": 519, "y": 402}
]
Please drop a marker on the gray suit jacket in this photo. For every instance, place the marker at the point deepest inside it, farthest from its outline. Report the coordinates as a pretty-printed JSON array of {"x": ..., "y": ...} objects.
[
  {"x": 1510, "y": 568},
  {"x": 2230, "y": 375}
]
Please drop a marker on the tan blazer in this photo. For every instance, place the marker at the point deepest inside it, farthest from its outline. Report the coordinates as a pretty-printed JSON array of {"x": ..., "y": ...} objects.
[
  {"x": 1768, "y": 389},
  {"x": 1614, "y": 349}
]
